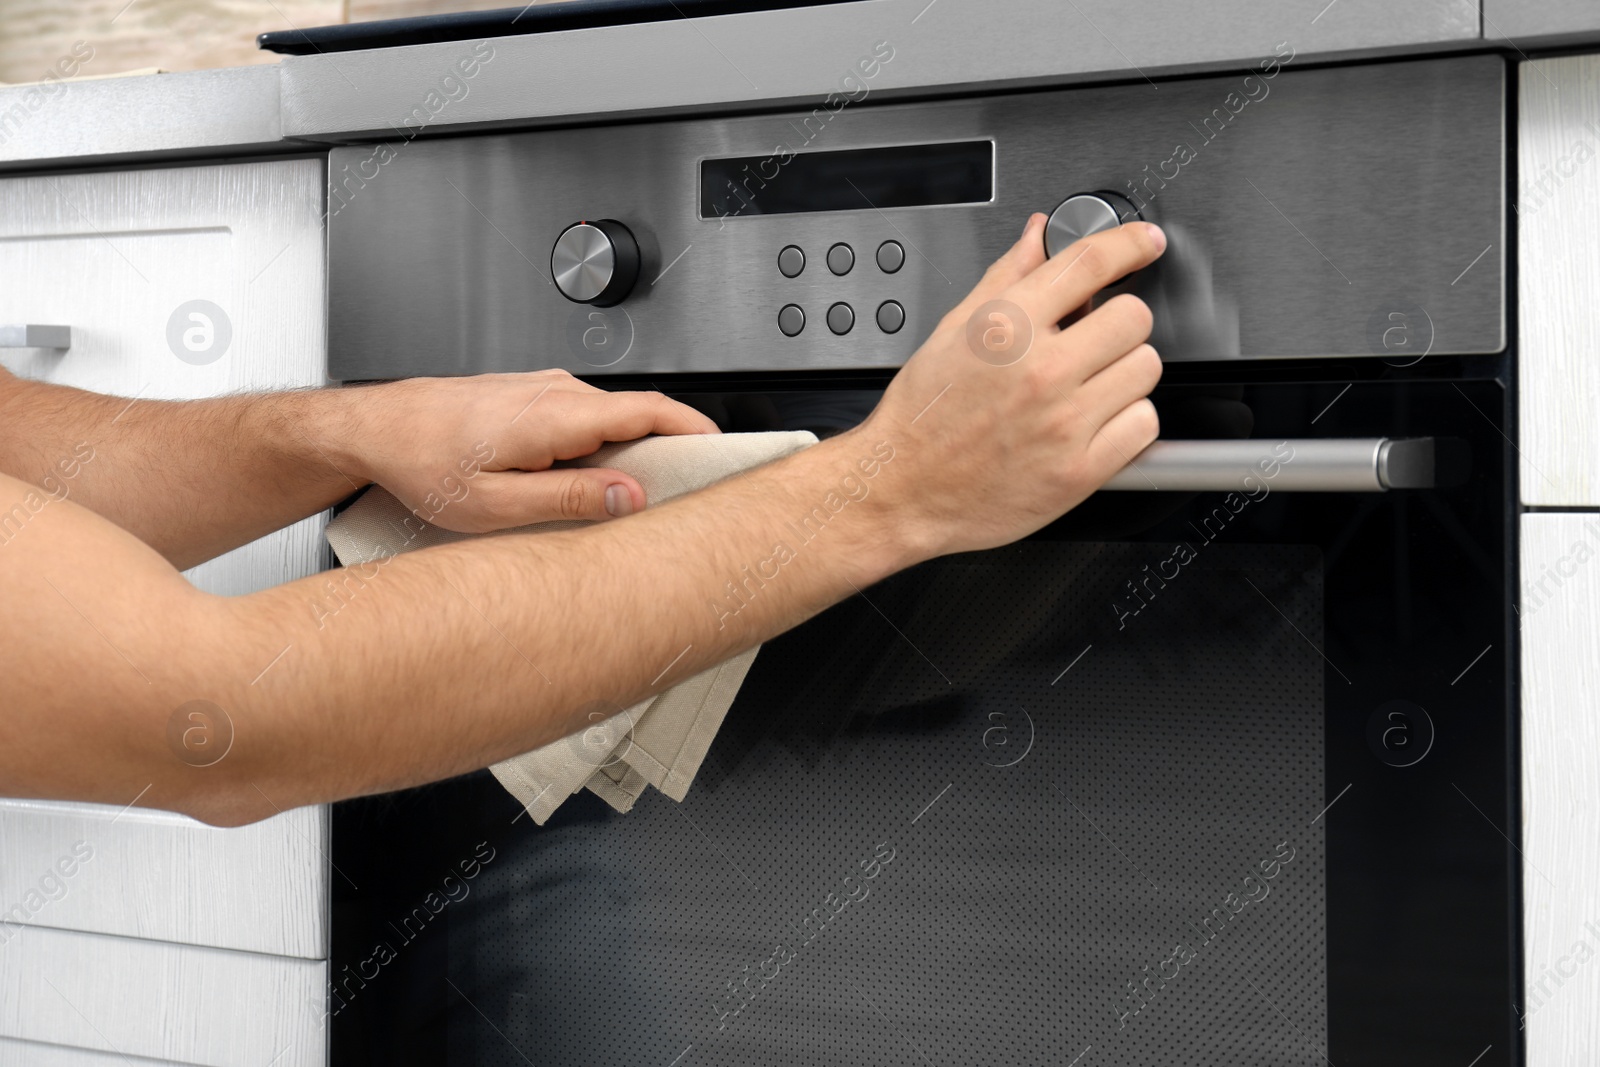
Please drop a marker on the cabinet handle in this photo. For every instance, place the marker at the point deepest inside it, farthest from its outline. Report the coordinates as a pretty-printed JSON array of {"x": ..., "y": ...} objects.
[
  {"x": 1313, "y": 465},
  {"x": 36, "y": 336}
]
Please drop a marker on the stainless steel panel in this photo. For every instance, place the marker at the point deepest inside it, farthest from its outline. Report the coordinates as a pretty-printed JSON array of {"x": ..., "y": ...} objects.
[
  {"x": 1560, "y": 616},
  {"x": 1558, "y": 218},
  {"x": 1325, "y": 465},
  {"x": 1343, "y": 197},
  {"x": 130, "y": 997},
  {"x": 153, "y": 874},
  {"x": 785, "y": 57},
  {"x": 1523, "y": 22}
]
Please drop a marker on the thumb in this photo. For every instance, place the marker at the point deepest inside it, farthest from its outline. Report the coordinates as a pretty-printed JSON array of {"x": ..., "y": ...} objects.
[
  {"x": 501, "y": 500},
  {"x": 1018, "y": 261},
  {"x": 593, "y": 493},
  {"x": 1022, "y": 258}
]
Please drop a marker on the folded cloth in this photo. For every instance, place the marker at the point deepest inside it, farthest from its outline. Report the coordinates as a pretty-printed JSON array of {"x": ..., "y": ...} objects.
[{"x": 659, "y": 741}]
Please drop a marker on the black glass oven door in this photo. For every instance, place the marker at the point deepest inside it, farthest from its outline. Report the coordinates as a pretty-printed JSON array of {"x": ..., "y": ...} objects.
[{"x": 1213, "y": 778}]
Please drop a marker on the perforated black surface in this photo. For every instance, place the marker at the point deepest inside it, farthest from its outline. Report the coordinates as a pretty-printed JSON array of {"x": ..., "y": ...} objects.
[{"x": 1039, "y": 836}]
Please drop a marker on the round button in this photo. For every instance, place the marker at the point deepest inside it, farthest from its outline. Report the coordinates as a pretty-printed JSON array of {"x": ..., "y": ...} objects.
[
  {"x": 891, "y": 257},
  {"x": 791, "y": 261},
  {"x": 1079, "y": 216},
  {"x": 791, "y": 320},
  {"x": 891, "y": 316},
  {"x": 841, "y": 318},
  {"x": 840, "y": 259}
]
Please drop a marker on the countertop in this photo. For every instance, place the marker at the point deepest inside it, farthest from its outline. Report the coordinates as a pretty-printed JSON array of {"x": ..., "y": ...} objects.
[{"x": 761, "y": 59}]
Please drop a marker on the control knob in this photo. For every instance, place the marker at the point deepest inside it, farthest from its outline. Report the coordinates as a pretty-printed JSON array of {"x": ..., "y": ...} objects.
[
  {"x": 595, "y": 262},
  {"x": 1081, "y": 214}
]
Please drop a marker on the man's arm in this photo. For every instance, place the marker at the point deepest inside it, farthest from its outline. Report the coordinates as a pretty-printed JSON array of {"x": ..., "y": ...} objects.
[
  {"x": 195, "y": 478},
  {"x": 451, "y": 658}
]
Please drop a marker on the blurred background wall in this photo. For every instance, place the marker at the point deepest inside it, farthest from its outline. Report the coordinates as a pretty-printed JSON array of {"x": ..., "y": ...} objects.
[{"x": 35, "y": 35}]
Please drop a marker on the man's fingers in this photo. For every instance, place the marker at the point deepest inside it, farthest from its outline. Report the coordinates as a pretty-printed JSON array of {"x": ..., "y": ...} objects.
[
  {"x": 1020, "y": 259},
  {"x": 1127, "y": 379},
  {"x": 1072, "y": 276},
  {"x": 594, "y": 420},
  {"x": 1014, "y": 265},
  {"x": 501, "y": 500},
  {"x": 570, "y": 424},
  {"x": 1128, "y": 433},
  {"x": 1102, "y": 337}
]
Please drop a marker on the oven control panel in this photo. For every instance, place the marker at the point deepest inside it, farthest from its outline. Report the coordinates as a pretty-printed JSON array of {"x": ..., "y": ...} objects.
[{"x": 836, "y": 237}]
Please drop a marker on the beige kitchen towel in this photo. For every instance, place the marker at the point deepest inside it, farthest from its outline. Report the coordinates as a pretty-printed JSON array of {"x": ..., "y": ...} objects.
[{"x": 658, "y": 742}]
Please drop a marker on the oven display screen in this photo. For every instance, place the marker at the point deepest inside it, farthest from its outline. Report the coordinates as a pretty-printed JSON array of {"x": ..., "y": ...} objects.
[{"x": 784, "y": 183}]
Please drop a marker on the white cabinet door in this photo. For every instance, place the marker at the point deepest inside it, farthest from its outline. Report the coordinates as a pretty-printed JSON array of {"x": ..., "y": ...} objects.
[
  {"x": 136, "y": 998},
  {"x": 1558, "y": 227},
  {"x": 1561, "y": 787},
  {"x": 176, "y": 283},
  {"x": 153, "y": 874}
]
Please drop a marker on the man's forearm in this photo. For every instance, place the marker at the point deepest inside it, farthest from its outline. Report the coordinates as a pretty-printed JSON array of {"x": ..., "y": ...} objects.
[
  {"x": 192, "y": 479},
  {"x": 448, "y": 659}
]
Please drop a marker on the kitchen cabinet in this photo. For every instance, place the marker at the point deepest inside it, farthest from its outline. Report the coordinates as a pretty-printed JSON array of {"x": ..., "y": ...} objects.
[
  {"x": 1560, "y": 615},
  {"x": 178, "y": 282},
  {"x": 1557, "y": 218}
]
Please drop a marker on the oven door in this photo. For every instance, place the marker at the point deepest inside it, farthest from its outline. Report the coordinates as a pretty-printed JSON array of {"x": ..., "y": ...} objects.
[{"x": 1215, "y": 777}]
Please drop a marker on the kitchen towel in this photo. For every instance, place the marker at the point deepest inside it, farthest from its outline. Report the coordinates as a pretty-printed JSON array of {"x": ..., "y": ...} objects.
[{"x": 659, "y": 741}]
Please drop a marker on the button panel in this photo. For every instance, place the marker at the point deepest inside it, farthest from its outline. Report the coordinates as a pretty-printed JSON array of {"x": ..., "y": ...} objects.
[{"x": 890, "y": 316}]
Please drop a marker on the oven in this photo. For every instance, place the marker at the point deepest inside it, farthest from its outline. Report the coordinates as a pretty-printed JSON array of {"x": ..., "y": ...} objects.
[{"x": 1218, "y": 768}]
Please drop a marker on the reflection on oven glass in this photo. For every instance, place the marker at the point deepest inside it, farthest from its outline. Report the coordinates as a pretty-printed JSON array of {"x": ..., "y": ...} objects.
[{"x": 1018, "y": 823}]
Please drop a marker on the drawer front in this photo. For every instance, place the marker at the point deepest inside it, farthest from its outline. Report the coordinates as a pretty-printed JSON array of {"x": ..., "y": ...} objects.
[
  {"x": 1558, "y": 225},
  {"x": 132, "y": 998},
  {"x": 153, "y": 874},
  {"x": 177, "y": 283},
  {"x": 1561, "y": 786}
]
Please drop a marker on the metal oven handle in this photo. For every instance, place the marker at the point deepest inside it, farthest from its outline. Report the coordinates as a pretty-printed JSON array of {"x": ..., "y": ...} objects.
[{"x": 1304, "y": 465}]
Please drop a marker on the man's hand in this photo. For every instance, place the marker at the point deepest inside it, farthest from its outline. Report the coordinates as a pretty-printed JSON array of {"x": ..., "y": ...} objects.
[
  {"x": 471, "y": 454},
  {"x": 1001, "y": 434},
  {"x": 193, "y": 479}
]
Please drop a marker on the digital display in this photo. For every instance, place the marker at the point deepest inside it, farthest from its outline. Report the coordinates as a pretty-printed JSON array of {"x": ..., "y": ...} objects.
[{"x": 783, "y": 183}]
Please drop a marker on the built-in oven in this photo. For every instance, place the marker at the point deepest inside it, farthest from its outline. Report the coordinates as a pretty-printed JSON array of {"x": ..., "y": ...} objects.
[{"x": 1218, "y": 768}]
